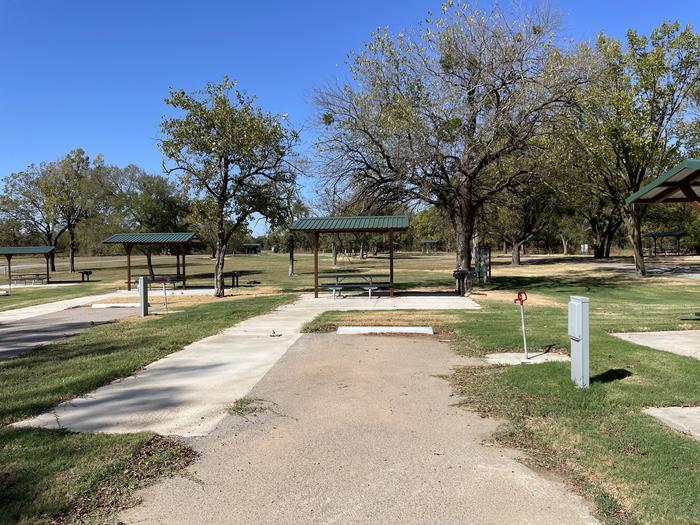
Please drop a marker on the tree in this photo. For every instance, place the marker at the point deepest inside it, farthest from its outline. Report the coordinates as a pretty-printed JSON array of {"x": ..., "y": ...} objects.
[
  {"x": 431, "y": 114},
  {"x": 75, "y": 193},
  {"x": 29, "y": 198},
  {"x": 631, "y": 111},
  {"x": 233, "y": 157},
  {"x": 522, "y": 212},
  {"x": 147, "y": 203}
]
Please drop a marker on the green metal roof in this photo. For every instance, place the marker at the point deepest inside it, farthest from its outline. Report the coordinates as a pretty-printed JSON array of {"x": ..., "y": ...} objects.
[
  {"x": 669, "y": 186},
  {"x": 26, "y": 250},
  {"x": 375, "y": 223},
  {"x": 656, "y": 235},
  {"x": 251, "y": 245},
  {"x": 149, "y": 238}
]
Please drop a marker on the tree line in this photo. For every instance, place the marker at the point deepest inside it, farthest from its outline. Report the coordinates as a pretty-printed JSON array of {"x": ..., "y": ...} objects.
[{"x": 487, "y": 125}]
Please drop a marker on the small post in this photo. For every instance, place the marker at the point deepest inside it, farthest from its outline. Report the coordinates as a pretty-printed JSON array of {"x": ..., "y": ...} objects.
[
  {"x": 578, "y": 333},
  {"x": 143, "y": 296},
  {"x": 47, "y": 256},
  {"x": 183, "y": 250}
]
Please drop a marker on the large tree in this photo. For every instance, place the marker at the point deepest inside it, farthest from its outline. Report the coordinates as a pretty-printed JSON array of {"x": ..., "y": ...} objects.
[
  {"x": 146, "y": 203},
  {"x": 631, "y": 113},
  {"x": 431, "y": 114},
  {"x": 28, "y": 197},
  {"x": 76, "y": 192},
  {"x": 233, "y": 157}
]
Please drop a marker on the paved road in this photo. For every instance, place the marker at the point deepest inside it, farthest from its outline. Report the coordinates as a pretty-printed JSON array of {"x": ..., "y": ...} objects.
[
  {"x": 357, "y": 429},
  {"x": 23, "y": 335}
]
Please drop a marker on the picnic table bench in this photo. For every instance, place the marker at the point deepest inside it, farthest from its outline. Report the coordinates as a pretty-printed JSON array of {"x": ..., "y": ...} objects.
[
  {"x": 31, "y": 277},
  {"x": 365, "y": 281},
  {"x": 169, "y": 279}
]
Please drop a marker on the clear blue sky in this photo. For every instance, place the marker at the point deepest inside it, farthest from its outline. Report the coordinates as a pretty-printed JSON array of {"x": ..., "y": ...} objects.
[{"x": 93, "y": 74}]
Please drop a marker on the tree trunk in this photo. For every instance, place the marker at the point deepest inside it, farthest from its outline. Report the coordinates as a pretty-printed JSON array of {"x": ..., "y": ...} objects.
[
  {"x": 633, "y": 217},
  {"x": 71, "y": 250},
  {"x": 599, "y": 251},
  {"x": 608, "y": 246},
  {"x": 334, "y": 250},
  {"x": 565, "y": 245},
  {"x": 219, "y": 285},
  {"x": 291, "y": 255},
  {"x": 515, "y": 254},
  {"x": 464, "y": 231},
  {"x": 149, "y": 262},
  {"x": 362, "y": 250},
  {"x": 52, "y": 260}
]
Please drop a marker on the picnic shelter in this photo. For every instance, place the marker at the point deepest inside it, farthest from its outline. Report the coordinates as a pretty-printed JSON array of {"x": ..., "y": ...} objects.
[
  {"x": 679, "y": 184},
  {"x": 386, "y": 224},
  {"x": 181, "y": 241},
  {"x": 10, "y": 251}
]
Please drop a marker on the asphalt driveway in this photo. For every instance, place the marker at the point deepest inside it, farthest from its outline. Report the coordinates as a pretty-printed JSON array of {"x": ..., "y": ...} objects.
[{"x": 357, "y": 429}]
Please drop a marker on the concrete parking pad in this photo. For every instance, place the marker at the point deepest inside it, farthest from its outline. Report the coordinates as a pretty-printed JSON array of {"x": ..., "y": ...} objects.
[
  {"x": 21, "y": 336},
  {"x": 358, "y": 429},
  {"x": 684, "y": 419},
  {"x": 683, "y": 342},
  {"x": 518, "y": 358},
  {"x": 360, "y": 330},
  {"x": 187, "y": 392}
]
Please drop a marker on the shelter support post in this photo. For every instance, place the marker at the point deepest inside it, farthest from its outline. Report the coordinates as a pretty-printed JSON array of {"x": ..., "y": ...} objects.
[
  {"x": 128, "y": 247},
  {"x": 9, "y": 270},
  {"x": 184, "y": 265},
  {"x": 316, "y": 265},
  {"x": 47, "y": 257},
  {"x": 391, "y": 263}
]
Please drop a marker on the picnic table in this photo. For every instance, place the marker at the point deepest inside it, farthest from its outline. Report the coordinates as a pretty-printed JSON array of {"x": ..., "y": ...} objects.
[
  {"x": 170, "y": 279},
  {"x": 85, "y": 274},
  {"x": 31, "y": 277},
  {"x": 364, "y": 281}
]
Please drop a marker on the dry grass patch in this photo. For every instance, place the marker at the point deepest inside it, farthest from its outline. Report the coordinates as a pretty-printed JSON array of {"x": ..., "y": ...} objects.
[
  {"x": 508, "y": 296},
  {"x": 441, "y": 322}
]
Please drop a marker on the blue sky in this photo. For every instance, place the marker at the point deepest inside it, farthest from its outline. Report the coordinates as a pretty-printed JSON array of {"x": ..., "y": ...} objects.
[{"x": 93, "y": 74}]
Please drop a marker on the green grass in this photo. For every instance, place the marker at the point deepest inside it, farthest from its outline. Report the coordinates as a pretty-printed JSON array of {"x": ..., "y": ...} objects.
[
  {"x": 47, "y": 473},
  {"x": 634, "y": 468},
  {"x": 267, "y": 269}
]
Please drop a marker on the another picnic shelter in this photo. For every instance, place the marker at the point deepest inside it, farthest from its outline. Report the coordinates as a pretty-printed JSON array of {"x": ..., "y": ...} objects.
[
  {"x": 388, "y": 224},
  {"x": 10, "y": 251},
  {"x": 660, "y": 236},
  {"x": 178, "y": 240},
  {"x": 679, "y": 184}
]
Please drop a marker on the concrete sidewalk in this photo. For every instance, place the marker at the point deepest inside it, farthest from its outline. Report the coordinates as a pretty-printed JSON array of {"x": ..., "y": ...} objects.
[
  {"x": 681, "y": 342},
  {"x": 28, "y": 312},
  {"x": 187, "y": 392}
]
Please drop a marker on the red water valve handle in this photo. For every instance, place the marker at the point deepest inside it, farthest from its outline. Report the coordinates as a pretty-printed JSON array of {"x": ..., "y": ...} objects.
[{"x": 521, "y": 298}]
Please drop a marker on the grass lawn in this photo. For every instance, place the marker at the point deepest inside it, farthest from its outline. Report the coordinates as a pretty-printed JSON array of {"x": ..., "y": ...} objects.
[
  {"x": 266, "y": 270},
  {"x": 635, "y": 469},
  {"x": 46, "y": 473}
]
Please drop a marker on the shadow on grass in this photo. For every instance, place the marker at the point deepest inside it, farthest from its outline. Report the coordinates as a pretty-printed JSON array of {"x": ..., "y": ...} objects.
[{"x": 614, "y": 374}]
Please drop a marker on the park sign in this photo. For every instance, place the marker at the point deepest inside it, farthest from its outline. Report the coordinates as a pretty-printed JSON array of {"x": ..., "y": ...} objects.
[{"x": 679, "y": 184}]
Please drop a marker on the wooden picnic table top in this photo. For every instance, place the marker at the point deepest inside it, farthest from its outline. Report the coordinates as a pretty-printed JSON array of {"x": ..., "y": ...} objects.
[{"x": 29, "y": 275}]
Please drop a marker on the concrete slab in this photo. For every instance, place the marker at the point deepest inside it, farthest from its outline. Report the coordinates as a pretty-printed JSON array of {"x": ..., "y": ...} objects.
[
  {"x": 682, "y": 342},
  {"x": 518, "y": 358},
  {"x": 28, "y": 312},
  {"x": 21, "y": 336},
  {"x": 187, "y": 392},
  {"x": 683, "y": 419},
  {"x": 361, "y": 330}
]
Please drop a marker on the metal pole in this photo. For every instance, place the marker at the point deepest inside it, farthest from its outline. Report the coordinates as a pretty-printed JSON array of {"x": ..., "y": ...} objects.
[
  {"x": 316, "y": 265},
  {"x": 522, "y": 322}
]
